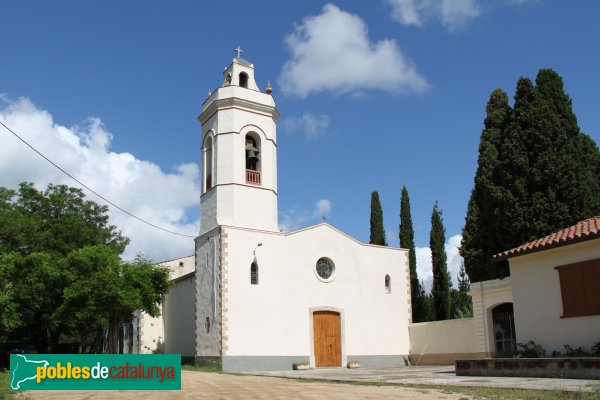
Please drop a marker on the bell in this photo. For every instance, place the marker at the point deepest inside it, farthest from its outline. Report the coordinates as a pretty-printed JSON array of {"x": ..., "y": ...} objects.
[{"x": 252, "y": 155}]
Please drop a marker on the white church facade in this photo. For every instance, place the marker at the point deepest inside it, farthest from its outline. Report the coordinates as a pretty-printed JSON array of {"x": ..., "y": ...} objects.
[{"x": 264, "y": 299}]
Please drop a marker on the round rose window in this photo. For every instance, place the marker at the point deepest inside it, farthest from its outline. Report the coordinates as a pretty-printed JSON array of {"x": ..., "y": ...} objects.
[{"x": 325, "y": 269}]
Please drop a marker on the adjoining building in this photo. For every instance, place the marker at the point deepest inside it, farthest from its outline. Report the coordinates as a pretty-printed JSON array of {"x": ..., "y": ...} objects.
[{"x": 552, "y": 298}]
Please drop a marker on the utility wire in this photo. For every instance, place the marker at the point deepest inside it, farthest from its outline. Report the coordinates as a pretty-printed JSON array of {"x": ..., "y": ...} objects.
[{"x": 90, "y": 189}]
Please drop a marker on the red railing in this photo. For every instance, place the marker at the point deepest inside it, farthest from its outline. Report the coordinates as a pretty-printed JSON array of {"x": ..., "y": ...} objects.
[{"x": 253, "y": 177}]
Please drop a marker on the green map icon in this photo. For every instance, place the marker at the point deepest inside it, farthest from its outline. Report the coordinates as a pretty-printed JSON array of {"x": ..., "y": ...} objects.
[{"x": 23, "y": 370}]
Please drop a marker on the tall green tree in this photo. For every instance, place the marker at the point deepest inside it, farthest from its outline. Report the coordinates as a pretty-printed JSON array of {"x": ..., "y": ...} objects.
[
  {"x": 440, "y": 289},
  {"x": 462, "y": 305},
  {"x": 108, "y": 291},
  {"x": 537, "y": 173},
  {"x": 479, "y": 238},
  {"x": 407, "y": 241},
  {"x": 58, "y": 256},
  {"x": 377, "y": 229}
]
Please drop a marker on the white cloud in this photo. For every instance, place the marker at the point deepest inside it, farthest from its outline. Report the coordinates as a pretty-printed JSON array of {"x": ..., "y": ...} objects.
[
  {"x": 454, "y": 260},
  {"x": 322, "y": 209},
  {"x": 296, "y": 218},
  {"x": 332, "y": 52},
  {"x": 311, "y": 125},
  {"x": 138, "y": 186},
  {"x": 406, "y": 12},
  {"x": 453, "y": 14}
]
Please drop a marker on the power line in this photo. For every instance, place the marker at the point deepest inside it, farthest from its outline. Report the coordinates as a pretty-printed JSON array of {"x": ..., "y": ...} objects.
[{"x": 90, "y": 189}]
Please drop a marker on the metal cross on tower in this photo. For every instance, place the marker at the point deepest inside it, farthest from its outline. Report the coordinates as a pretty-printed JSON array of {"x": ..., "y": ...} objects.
[{"x": 239, "y": 51}]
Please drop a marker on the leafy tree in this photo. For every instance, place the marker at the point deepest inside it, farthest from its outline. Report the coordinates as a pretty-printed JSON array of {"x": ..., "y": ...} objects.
[
  {"x": 108, "y": 291},
  {"x": 537, "y": 173},
  {"x": 441, "y": 280},
  {"x": 377, "y": 230},
  {"x": 407, "y": 241},
  {"x": 462, "y": 306},
  {"x": 57, "y": 220},
  {"x": 10, "y": 317},
  {"x": 61, "y": 277}
]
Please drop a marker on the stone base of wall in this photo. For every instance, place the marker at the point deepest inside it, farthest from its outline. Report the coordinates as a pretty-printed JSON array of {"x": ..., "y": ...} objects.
[
  {"x": 285, "y": 363},
  {"x": 261, "y": 363},
  {"x": 212, "y": 361},
  {"x": 444, "y": 358},
  {"x": 570, "y": 368}
]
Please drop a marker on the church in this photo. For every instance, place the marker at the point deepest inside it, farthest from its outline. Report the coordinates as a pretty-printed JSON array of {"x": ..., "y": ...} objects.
[{"x": 255, "y": 298}]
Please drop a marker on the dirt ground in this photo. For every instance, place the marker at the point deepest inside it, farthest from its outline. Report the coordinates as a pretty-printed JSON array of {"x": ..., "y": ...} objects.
[{"x": 203, "y": 385}]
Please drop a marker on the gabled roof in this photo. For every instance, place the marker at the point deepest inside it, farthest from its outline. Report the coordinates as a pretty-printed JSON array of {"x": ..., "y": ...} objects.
[{"x": 583, "y": 230}]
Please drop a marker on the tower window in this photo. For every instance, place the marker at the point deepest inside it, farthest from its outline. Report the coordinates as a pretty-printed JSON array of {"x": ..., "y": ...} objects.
[
  {"x": 243, "y": 79},
  {"x": 208, "y": 164},
  {"x": 254, "y": 273},
  {"x": 252, "y": 159},
  {"x": 388, "y": 284}
]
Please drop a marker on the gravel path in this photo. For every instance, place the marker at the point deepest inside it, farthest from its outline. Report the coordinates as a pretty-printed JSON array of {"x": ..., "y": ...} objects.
[{"x": 202, "y": 385}]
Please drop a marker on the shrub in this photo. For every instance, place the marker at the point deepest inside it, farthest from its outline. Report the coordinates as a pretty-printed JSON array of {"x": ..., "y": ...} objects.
[
  {"x": 596, "y": 349},
  {"x": 577, "y": 352},
  {"x": 530, "y": 350}
]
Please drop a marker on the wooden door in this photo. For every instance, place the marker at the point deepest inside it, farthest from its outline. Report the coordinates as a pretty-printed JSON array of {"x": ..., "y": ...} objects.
[{"x": 327, "y": 336}]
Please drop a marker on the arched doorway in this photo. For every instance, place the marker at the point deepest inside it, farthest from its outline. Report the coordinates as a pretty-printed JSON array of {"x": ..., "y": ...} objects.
[
  {"x": 327, "y": 339},
  {"x": 504, "y": 328}
]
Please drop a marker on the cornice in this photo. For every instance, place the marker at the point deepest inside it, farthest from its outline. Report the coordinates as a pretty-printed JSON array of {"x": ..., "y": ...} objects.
[{"x": 239, "y": 103}]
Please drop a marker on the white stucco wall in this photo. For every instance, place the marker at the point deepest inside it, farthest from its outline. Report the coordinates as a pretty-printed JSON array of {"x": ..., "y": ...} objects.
[
  {"x": 274, "y": 318},
  {"x": 442, "y": 342},
  {"x": 538, "y": 303},
  {"x": 150, "y": 333},
  {"x": 179, "y": 317}
]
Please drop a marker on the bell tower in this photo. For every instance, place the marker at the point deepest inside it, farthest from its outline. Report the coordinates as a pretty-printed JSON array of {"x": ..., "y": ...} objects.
[{"x": 239, "y": 153}]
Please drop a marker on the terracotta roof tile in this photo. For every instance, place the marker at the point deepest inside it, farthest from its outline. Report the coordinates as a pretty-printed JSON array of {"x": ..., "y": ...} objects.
[{"x": 583, "y": 230}]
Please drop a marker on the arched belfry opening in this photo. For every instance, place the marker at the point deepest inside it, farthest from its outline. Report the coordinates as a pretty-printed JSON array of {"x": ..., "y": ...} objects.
[
  {"x": 243, "y": 79},
  {"x": 208, "y": 163},
  {"x": 252, "y": 151}
]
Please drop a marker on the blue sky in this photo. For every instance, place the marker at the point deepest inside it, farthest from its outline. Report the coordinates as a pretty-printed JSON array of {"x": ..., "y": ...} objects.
[{"x": 372, "y": 95}]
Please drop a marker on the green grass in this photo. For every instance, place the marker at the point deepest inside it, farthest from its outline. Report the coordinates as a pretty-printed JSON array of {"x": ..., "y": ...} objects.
[
  {"x": 203, "y": 368},
  {"x": 5, "y": 391},
  {"x": 480, "y": 392},
  {"x": 521, "y": 394}
]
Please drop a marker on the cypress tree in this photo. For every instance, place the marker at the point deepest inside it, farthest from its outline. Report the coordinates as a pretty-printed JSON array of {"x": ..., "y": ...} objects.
[
  {"x": 478, "y": 239},
  {"x": 536, "y": 174},
  {"x": 407, "y": 241},
  {"x": 377, "y": 230},
  {"x": 440, "y": 289},
  {"x": 462, "y": 306}
]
